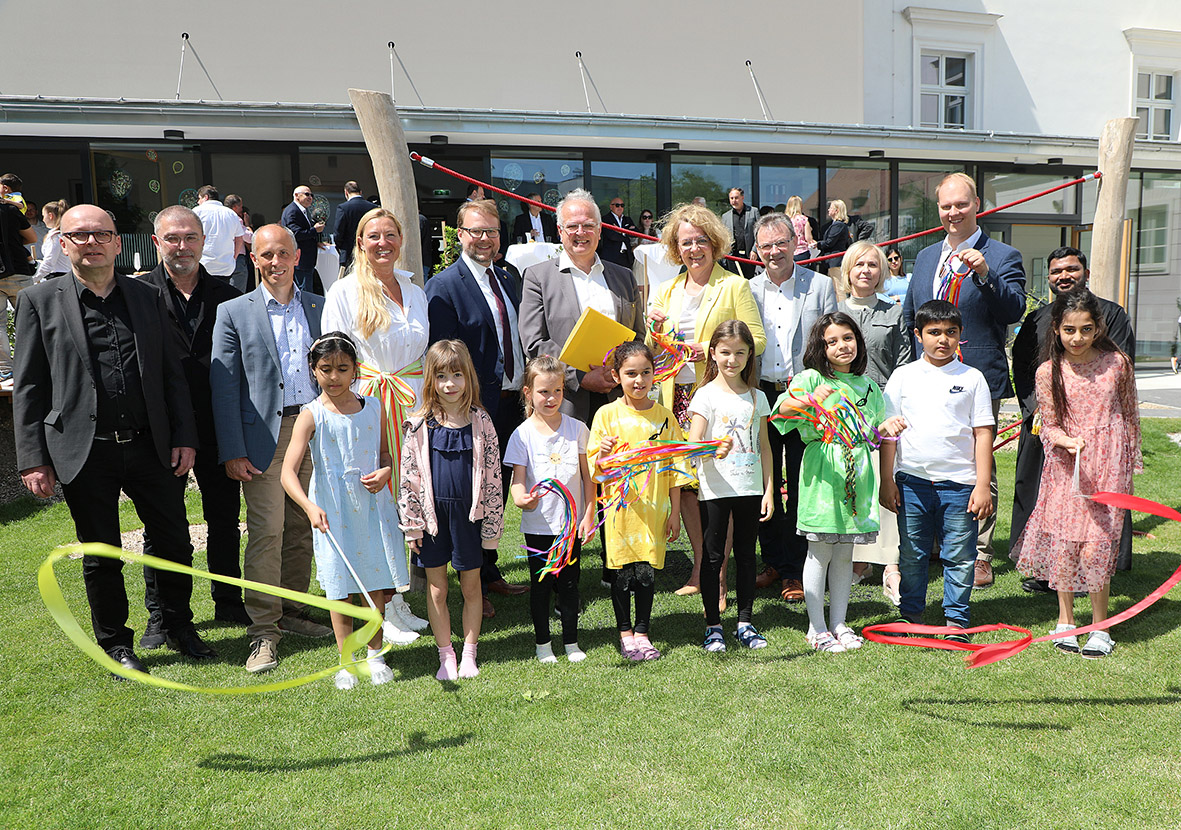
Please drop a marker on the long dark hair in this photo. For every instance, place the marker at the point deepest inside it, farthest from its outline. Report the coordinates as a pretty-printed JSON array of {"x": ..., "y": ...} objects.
[
  {"x": 731, "y": 330},
  {"x": 814, "y": 356},
  {"x": 1053, "y": 351}
]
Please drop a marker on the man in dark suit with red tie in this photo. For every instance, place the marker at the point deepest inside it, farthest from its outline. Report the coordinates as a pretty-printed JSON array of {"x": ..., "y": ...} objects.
[{"x": 473, "y": 300}]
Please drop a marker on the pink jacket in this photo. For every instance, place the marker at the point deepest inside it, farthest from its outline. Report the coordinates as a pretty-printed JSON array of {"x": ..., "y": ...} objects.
[{"x": 416, "y": 499}]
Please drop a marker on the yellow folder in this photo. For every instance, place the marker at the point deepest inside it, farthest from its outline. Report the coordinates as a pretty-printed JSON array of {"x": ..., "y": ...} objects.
[{"x": 593, "y": 336}]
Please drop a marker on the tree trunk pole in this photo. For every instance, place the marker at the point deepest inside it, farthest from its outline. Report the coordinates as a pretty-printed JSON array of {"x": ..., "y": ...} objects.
[
  {"x": 1115, "y": 162},
  {"x": 386, "y": 143}
]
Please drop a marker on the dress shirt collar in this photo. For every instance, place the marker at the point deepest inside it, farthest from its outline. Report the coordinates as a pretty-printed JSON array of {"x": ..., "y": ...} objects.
[
  {"x": 478, "y": 270},
  {"x": 970, "y": 242},
  {"x": 296, "y": 296},
  {"x": 566, "y": 264}
]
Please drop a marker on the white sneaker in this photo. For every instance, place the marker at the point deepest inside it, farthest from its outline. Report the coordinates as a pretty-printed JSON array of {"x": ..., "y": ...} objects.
[
  {"x": 574, "y": 654},
  {"x": 405, "y": 615},
  {"x": 379, "y": 672},
  {"x": 545, "y": 653},
  {"x": 395, "y": 636},
  {"x": 345, "y": 680}
]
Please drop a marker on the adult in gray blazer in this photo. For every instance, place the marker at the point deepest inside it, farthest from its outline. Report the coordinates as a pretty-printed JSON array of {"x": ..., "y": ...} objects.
[
  {"x": 740, "y": 219},
  {"x": 260, "y": 380},
  {"x": 554, "y": 294},
  {"x": 790, "y": 298}
]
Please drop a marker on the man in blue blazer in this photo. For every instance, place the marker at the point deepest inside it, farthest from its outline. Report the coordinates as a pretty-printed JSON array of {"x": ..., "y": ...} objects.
[
  {"x": 348, "y": 216},
  {"x": 298, "y": 219},
  {"x": 259, "y": 381},
  {"x": 474, "y": 301},
  {"x": 991, "y": 298}
]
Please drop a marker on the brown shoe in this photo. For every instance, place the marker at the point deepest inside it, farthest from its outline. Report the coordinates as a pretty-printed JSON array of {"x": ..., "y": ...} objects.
[
  {"x": 766, "y": 577},
  {"x": 263, "y": 656},
  {"x": 983, "y": 574},
  {"x": 793, "y": 590},
  {"x": 489, "y": 611},
  {"x": 505, "y": 589}
]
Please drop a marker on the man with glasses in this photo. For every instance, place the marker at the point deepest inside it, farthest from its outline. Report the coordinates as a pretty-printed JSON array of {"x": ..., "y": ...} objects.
[
  {"x": 192, "y": 297},
  {"x": 101, "y": 405},
  {"x": 791, "y": 298},
  {"x": 298, "y": 219},
  {"x": 614, "y": 246},
  {"x": 740, "y": 219},
  {"x": 473, "y": 300}
]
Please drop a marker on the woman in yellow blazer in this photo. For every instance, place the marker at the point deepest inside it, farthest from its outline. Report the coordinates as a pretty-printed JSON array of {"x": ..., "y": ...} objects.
[{"x": 695, "y": 303}]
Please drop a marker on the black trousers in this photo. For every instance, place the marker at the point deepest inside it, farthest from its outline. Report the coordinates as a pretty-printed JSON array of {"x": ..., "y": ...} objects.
[
  {"x": 220, "y": 504},
  {"x": 509, "y": 415},
  {"x": 781, "y": 547},
  {"x": 93, "y": 499},
  {"x": 566, "y": 584},
  {"x": 717, "y": 514},
  {"x": 1031, "y": 458},
  {"x": 636, "y": 579}
]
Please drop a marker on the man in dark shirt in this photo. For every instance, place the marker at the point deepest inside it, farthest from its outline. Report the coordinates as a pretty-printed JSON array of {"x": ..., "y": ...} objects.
[
  {"x": 100, "y": 404},
  {"x": 192, "y": 297}
]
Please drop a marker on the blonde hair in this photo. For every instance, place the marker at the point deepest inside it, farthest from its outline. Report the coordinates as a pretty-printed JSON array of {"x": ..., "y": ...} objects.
[
  {"x": 842, "y": 212},
  {"x": 372, "y": 312},
  {"x": 855, "y": 252},
  {"x": 720, "y": 238},
  {"x": 795, "y": 206},
  {"x": 448, "y": 356},
  {"x": 958, "y": 177},
  {"x": 543, "y": 364}
]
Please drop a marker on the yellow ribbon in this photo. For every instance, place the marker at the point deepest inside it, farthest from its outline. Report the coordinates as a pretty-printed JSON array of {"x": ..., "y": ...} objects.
[
  {"x": 396, "y": 399},
  {"x": 56, "y": 603}
]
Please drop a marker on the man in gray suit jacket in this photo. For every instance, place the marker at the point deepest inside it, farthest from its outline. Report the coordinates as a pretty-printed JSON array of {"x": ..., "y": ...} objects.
[
  {"x": 259, "y": 379},
  {"x": 554, "y": 294},
  {"x": 790, "y": 299},
  {"x": 740, "y": 219}
]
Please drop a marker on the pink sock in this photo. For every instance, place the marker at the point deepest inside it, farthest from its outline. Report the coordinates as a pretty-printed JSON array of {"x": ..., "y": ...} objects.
[
  {"x": 467, "y": 665},
  {"x": 446, "y": 664}
]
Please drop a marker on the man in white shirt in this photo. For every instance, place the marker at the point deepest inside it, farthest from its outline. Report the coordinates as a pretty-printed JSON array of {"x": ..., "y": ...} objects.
[
  {"x": 790, "y": 299},
  {"x": 554, "y": 294},
  {"x": 224, "y": 234}
]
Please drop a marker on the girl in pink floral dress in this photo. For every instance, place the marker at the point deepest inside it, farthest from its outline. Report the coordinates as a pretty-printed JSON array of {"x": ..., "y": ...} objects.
[{"x": 1086, "y": 393}]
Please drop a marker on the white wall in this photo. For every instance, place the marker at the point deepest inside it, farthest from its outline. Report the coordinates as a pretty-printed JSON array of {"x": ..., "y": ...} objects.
[{"x": 667, "y": 57}]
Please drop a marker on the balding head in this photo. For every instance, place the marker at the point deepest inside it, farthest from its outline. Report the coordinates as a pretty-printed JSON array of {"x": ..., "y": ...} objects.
[
  {"x": 93, "y": 260},
  {"x": 275, "y": 255}
]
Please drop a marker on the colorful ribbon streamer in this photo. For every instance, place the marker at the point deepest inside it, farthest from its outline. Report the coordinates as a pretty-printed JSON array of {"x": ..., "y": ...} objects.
[
  {"x": 55, "y": 602},
  {"x": 621, "y": 470},
  {"x": 561, "y": 552},
  {"x": 397, "y": 397},
  {"x": 982, "y": 654},
  {"x": 844, "y": 422}
]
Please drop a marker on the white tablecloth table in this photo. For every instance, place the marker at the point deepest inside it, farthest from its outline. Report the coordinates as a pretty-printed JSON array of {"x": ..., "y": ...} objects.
[
  {"x": 522, "y": 255},
  {"x": 651, "y": 268}
]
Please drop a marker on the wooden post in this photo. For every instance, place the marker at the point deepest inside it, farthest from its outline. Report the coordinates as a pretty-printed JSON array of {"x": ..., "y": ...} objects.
[
  {"x": 386, "y": 143},
  {"x": 1115, "y": 163}
]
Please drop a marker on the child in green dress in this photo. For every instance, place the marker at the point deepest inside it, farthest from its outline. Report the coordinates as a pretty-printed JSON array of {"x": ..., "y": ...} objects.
[{"x": 838, "y": 482}]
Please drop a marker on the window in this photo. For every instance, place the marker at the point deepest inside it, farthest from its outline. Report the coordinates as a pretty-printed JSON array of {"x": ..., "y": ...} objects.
[
  {"x": 946, "y": 90},
  {"x": 1153, "y": 239},
  {"x": 1154, "y": 105},
  {"x": 710, "y": 177}
]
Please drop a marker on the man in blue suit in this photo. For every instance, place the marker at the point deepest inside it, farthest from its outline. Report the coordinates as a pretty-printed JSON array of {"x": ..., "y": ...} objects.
[
  {"x": 306, "y": 229},
  {"x": 348, "y": 216},
  {"x": 474, "y": 301},
  {"x": 991, "y": 298},
  {"x": 259, "y": 380}
]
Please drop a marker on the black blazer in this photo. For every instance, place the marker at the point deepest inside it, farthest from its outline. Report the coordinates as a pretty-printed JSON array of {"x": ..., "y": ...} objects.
[
  {"x": 54, "y": 398},
  {"x": 456, "y": 310},
  {"x": 306, "y": 237},
  {"x": 612, "y": 243},
  {"x": 522, "y": 226},
  {"x": 195, "y": 351},
  {"x": 344, "y": 235}
]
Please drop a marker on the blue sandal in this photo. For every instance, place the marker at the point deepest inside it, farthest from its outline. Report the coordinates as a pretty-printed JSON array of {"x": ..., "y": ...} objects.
[
  {"x": 714, "y": 642},
  {"x": 750, "y": 637}
]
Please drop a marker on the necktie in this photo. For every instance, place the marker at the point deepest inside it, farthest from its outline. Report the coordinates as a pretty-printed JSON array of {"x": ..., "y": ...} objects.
[{"x": 506, "y": 342}]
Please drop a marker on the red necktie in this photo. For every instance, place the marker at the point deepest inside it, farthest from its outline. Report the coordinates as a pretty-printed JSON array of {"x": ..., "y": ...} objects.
[{"x": 506, "y": 342}]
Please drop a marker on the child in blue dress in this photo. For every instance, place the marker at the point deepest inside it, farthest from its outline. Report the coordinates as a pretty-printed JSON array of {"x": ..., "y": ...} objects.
[{"x": 348, "y": 497}]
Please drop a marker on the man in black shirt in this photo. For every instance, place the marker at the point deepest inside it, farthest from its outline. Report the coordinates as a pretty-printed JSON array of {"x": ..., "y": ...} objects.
[
  {"x": 192, "y": 297},
  {"x": 101, "y": 404}
]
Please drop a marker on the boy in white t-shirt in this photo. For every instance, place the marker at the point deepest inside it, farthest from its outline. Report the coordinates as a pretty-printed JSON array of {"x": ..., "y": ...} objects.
[{"x": 942, "y": 464}]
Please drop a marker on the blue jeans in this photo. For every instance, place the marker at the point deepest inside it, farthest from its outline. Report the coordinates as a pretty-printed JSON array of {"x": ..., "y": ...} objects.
[{"x": 931, "y": 510}]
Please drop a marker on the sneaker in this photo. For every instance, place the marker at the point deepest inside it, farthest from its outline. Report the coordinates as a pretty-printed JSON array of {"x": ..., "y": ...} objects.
[
  {"x": 714, "y": 643},
  {"x": 545, "y": 653},
  {"x": 1066, "y": 644},
  {"x": 750, "y": 637},
  {"x": 153, "y": 636},
  {"x": 575, "y": 654},
  {"x": 263, "y": 656},
  {"x": 301, "y": 625},
  {"x": 1098, "y": 645},
  {"x": 958, "y": 637},
  {"x": 394, "y": 630},
  {"x": 345, "y": 680},
  {"x": 407, "y": 617},
  {"x": 848, "y": 637},
  {"x": 379, "y": 672}
]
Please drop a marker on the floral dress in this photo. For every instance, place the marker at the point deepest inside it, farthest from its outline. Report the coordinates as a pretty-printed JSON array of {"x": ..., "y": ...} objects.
[{"x": 1071, "y": 541}]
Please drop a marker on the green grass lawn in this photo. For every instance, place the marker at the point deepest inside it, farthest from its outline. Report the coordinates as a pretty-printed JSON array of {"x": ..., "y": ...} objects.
[{"x": 887, "y": 737}]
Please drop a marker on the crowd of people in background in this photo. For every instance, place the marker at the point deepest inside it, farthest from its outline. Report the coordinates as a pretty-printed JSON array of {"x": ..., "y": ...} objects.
[{"x": 381, "y": 417}]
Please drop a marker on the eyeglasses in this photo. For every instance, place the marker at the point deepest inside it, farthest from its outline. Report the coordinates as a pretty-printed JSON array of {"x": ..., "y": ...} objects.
[
  {"x": 585, "y": 227},
  {"x": 175, "y": 241},
  {"x": 82, "y": 237},
  {"x": 479, "y": 233},
  {"x": 778, "y": 244},
  {"x": 698, "y": 241}
]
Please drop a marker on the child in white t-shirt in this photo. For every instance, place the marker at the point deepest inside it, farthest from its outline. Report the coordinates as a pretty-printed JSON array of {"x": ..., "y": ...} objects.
[
  {"x": 942, "y": 464},
  {"x": 736, "y": 486},
  {"x": 550, "y": 445}
]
